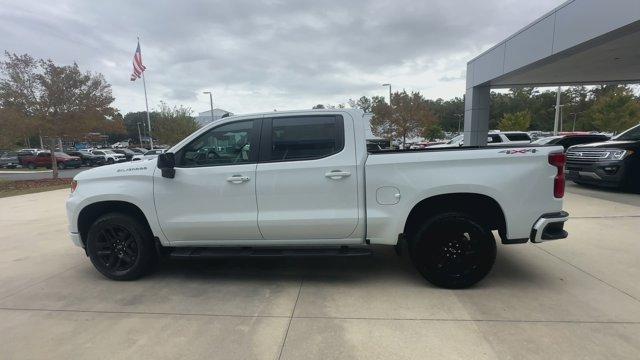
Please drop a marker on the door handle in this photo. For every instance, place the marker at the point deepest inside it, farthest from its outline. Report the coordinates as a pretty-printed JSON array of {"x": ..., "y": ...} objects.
[
  {"x": 337, "y": 174},
  {"x": 237, "y": 179}
]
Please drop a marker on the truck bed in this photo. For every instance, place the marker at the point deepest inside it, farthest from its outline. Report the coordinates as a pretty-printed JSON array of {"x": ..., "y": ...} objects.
[{"x": 519, "y": 178}]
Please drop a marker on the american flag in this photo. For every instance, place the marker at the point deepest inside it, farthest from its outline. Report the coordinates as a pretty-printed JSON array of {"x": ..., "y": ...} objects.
[{"x": 138, "y": 68}]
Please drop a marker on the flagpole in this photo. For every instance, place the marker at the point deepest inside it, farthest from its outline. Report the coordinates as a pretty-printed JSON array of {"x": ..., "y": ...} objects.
[{"x": 146, "y": 103}]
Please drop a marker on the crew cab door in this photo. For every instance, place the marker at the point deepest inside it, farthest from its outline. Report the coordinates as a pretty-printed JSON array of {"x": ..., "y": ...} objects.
[
  {"x": 212, "y": 196},
  {"x": 306, "y": 179}
]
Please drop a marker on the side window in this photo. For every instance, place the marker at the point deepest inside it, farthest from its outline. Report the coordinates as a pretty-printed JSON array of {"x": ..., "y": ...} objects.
[
  {"x": 494, "y": 138},
  {"x": 98, "y": 153},
  {"x": 43, "y": 155},
  {"x": 518, "y": 137},
  {"x": 227, "y": 144},
  {"x": 305, "y": 137}
]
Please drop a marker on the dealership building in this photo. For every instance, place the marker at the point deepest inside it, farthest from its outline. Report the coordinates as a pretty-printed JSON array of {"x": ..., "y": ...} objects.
[{"x": 581, "y": 42}]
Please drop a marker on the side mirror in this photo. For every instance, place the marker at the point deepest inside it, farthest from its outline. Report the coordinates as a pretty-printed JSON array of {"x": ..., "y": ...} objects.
[{"x": 167, "y": 163}]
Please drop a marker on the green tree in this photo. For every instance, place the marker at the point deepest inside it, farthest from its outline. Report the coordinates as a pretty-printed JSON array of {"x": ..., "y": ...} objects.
[
  {"x": 433, "y": 132},
  {"x": 406, "y": 117},
  {"x": 173, "y": 124},
  {"x": 132, "y": 119},
  {"x": 615, "y": 109},
  {"x": 519, "y": 121},
  {"x": 56, "y": 101},
  {"x": 15, "y": 128},
  {"x": 363, "y": 103}
]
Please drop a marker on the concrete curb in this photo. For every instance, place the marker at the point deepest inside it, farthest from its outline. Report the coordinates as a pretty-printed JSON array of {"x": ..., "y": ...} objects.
[{"x": 26, "y": 172}]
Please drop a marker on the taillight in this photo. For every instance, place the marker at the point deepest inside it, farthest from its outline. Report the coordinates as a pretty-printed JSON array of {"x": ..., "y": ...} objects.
[
  {"x": 74, "y": 185},
  {"x": 558, "y": 160}
]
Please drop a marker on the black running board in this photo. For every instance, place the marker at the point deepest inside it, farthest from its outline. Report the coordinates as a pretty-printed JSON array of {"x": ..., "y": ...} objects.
[{"x": 224, "y": 252}]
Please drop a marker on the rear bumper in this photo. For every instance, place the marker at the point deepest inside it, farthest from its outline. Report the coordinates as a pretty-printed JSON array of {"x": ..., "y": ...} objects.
[{"x": 549, "y": 227}]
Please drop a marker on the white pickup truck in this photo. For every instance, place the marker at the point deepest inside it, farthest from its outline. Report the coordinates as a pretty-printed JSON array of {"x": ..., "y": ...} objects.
[{"x": 302, "y": 183}]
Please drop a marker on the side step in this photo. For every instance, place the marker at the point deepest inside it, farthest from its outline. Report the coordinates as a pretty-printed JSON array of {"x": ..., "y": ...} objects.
[{"x": 223, "y": 252}]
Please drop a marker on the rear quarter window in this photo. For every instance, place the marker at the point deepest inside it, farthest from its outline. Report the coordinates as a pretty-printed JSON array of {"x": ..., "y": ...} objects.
[{"x": 518, "y": 137}]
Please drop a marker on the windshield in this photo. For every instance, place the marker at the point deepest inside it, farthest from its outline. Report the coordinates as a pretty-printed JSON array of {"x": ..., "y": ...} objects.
[
  {"x": 547, "y": 140},
  {"x": 632, "y": 134},
  {"x": 456, "y": 139},
  {"x": 61, "y": 154},
  {"x": 107, "y": 151}
]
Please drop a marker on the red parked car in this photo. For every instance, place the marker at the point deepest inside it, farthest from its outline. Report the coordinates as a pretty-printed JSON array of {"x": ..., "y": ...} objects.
[{"x": 43, "y": 159}]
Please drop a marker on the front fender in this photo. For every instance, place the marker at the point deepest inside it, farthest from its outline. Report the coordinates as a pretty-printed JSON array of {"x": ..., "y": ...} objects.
[{"x": 136, "y": 190}]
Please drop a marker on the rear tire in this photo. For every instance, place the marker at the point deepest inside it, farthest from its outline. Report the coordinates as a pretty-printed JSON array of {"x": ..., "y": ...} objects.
[
  {"x": 453, "y": 250},
  {"x": 110, "y": 161},
  {"x": 120, "y": 247},
  {"x": 31, "y": 166}
]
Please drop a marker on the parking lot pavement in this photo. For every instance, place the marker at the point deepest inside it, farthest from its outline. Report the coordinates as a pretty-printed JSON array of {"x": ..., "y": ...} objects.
[{"x": 575, "y": 298}]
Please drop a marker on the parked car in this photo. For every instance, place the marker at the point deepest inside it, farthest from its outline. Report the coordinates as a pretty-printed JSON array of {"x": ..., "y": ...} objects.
[
  {"x": 495, "y": 138},
  {"x": 109, "y": 156},
  {"x": 9, "y": 159},
  {"x": 27, "y": 152},
  {"x": 43, "y": 159},
  {"x": 151, "y": 154},
  {"x": 139, "y": 151},
  {"x": 293, "y": 183},
  {"x": 612, "y": 163},
  {"x": 425, "y": 144},
  {"x": 88, "y": 159},
  {"x": 568, "y": 140},
  {"x": 128, "y": 154}
]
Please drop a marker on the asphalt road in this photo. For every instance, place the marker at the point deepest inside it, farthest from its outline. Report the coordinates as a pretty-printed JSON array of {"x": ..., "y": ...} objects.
[{"x": 37, "y": 175}]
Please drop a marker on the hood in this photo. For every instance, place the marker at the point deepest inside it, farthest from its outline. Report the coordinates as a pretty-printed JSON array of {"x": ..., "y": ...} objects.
[
  {"x": 137, "y": 168},
  {"x": 611, "y": 144}
]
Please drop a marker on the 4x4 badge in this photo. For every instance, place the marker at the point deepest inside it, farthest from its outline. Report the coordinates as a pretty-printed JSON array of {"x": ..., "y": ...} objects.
[{"x": 518, "y": 151}]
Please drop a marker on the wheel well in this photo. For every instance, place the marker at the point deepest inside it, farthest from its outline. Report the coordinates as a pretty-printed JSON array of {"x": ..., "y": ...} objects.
[
  {"x": 90, "y": 213},
  {"x": 482, "y": 207}
]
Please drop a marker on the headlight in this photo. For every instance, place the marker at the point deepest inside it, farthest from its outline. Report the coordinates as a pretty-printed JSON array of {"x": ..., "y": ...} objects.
[{"x": 618, "y": 154}]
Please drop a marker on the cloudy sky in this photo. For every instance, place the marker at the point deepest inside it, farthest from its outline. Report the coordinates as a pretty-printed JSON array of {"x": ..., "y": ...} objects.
[{"x": 261, "y": 56}]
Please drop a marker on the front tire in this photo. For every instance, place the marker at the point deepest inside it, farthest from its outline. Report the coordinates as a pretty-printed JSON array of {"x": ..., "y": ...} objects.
[
  {"x": 61, "y": 166},
  {"x": 120, "y": 247},
  {"x": 453, "y": 250}
]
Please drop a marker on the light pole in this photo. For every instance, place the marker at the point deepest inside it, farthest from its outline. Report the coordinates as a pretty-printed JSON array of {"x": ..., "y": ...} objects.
[
  {"x": 139, "y": 136},
  {"x": 575, "y": 115},
  {"x": 210, "y": 101},
  {"x": 558, "y": 106},
  {"x": 459, "y": 116},
  {"x": 389, "y": 85}
]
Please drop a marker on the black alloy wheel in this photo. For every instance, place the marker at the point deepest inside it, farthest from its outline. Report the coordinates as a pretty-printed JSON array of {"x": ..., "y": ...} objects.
[
  {"x": 116, "y": 248},
  {"x": 453, "y": 250},
  {"x": 120, "y": 247}
]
